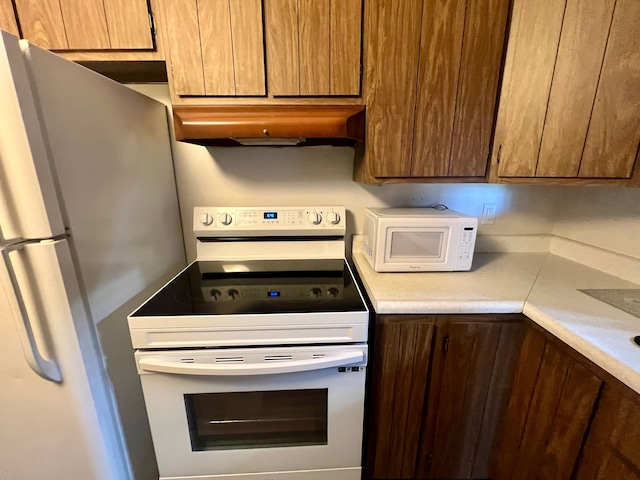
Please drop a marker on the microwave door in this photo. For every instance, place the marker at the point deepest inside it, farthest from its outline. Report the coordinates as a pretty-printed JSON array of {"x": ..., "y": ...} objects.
[{"x": 417, "y": 248}]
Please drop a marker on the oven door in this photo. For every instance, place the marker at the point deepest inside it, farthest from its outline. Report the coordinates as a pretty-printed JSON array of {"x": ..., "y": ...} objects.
[{"x": 256, "y": 413}]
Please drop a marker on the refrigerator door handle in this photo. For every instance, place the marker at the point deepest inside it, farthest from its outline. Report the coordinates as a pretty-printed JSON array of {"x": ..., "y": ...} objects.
[{"x": 47, "y": 369}]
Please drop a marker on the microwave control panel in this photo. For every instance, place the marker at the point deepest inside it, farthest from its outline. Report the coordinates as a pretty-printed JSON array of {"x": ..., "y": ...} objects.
[{"x": 467, "y": 247}]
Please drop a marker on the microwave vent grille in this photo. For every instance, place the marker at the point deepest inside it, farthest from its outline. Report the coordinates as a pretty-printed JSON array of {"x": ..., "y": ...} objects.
[{"x": 229, "y": 359}]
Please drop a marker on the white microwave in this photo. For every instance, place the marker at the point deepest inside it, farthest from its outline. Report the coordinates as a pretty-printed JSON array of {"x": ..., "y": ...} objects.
[{"x": 419, "y": 239}]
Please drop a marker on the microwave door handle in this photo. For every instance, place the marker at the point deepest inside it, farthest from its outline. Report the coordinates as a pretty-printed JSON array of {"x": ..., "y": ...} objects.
[{"x": 179, "y": 368}]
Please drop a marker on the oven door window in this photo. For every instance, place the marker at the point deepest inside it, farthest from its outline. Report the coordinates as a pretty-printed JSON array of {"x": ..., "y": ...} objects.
[{"x": 236, "y": 420}]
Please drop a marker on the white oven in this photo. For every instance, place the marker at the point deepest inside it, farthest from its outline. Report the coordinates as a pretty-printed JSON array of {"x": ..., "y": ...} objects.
[
  {"x": 253, "y": 358},
  {"x": 293, "y": 413}
]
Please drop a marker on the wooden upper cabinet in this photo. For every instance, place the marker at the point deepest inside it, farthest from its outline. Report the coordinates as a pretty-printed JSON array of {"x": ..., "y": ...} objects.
[
  {"x": 570, "y": 105},
  {"x": 86, "y": 24},
  {"x": 7, "y": 17},
  {"x": 313, "y": 47},
  {"x": 432, "y": 72},
  {"x": 215, "y": 47}
]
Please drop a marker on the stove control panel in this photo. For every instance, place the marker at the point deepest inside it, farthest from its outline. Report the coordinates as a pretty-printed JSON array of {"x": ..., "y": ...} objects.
[{"x": 269, "y": 221}]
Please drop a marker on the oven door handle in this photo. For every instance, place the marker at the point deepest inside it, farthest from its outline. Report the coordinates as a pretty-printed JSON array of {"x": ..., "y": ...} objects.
[{"x": 162, "y": 366}]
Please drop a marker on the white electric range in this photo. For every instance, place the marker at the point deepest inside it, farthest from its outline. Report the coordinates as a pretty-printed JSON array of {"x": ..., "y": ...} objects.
[{"x": 253, "y": 359}]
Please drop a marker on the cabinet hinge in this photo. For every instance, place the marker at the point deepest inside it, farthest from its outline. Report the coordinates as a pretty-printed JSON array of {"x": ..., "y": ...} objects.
[
  {"x": 152, "y": 23},
  {"x": 445, "y": 343}
]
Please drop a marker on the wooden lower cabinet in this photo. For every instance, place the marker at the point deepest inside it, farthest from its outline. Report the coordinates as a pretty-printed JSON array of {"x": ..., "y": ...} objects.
[
  {"x": 440, "y": 386},
  {"x": 567, "y": 419},
  {"x": 548, "y": 416},
  {"x": 612, "y": 450}
]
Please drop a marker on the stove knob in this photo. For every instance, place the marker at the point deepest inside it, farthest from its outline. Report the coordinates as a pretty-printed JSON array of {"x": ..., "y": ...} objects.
[
  {"x": 334, "y": 218},
  {"x": 206, "y": 219},
  {"x": 315, "y": 292},
  {"x": 333, "y": 292},
  {"x": 233, "y": 293},
  {"x": 225, "y": 218},
  {"x": 315, "y": 218},
  {"x": 215, "y": 294}
]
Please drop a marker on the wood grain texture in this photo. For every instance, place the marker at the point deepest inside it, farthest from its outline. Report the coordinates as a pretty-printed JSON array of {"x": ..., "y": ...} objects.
[
  {"x": 578, "y": 65},
  {"x": 614, "y": 132},
  {"x": 182, "y": 44},
  {"x": 440, "y": 53},
  {"x": 403, "y": 347},
  {"x": 314, "y": 46},
  {"x": 42, "y": 24},
  {"x": 85, "y": 24},
  {"x": 511, "y": 432},
  {"x": 248, "y": 46},
  {"x": 566, "y": 436},
  {"x": 345, "y": 28},
  {"x": 531, "y": 54},
  {"x": 506, "y": 360},
  {"x": 128, "y": 24},
  {"x": 214, "y": 19},
  {"x": 483, "y": 44},
  {"x": 611, "y": 450},
  {"x": 392, "y": 41},
  {"x": 7, "y": 17},
  {"x": 281, "y": 36}
]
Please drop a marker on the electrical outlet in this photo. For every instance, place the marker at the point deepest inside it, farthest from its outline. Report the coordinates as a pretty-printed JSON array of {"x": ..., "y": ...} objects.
[{"x": 489, "y": 214}]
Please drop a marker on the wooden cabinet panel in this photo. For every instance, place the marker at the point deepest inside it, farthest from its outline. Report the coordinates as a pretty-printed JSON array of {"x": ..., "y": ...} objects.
[
  {"x": 611, "y": 450},
  {"x": 478, "y": 79},
  {"x": 232, "y": 47},
  {"x": 306, "y": 40},
  {"x": 441, "y": 44},
  {"x": 578, "y": 64},
  {"x": 214, "y": 18},
  {"x": 314, "y": 46},
  {"x": 248, "y": 47},
  {"x": 472, "y": 396},
  {"x": 85, "y": 24},
  {"x": 128, "y": 23},
  {"x": 183, "y": 46},
  {"x": 531, "y": 54},
  {"x": 548, "y": 415},
  {"x": 399, "y": 383},
  {"x": 392, "y": 29},
  {"x": 7, "y": 17},
  {"x": 281, "y": 33},
  {"x": 614, "y": 132},
  {"x": 344, "y": 68},
  {"x": 42, "y": 24},
  {"x": 430, "y": 109}
]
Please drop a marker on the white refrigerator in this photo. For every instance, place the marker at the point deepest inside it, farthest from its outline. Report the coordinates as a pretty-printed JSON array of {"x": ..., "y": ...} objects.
[{"x": 90, "y": 227}]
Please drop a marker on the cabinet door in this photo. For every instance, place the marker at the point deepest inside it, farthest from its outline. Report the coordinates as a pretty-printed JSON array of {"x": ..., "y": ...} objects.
[
  {"x": 313, "y": 47},
  {"x": 570, "y": 105},
  {"x": 467, "y": 401},
  {"x": 7, "y": 17},
  {"x": 611, "y": 451},
  {"x": 215, "y": 47},
  {"x": 402, "y": 353},
  {"x": 549, "y": 412},
  {"x": 86, "y": 24},
  {"x": 432, "y": 73}
]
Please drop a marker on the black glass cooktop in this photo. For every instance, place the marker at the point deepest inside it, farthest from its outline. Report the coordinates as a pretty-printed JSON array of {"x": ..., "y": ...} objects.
[{"x": 257, "y": 287}]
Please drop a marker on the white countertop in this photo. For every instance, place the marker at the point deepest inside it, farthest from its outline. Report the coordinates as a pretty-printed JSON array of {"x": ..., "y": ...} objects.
[{"x": 542, "y": 286}]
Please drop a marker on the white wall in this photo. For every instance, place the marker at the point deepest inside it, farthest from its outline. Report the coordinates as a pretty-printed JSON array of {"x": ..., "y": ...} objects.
[{"x": 605, "y": 217}]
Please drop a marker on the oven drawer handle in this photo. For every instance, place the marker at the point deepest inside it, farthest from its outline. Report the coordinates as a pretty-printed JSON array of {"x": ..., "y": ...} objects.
[{"x": 178, "y": 368}]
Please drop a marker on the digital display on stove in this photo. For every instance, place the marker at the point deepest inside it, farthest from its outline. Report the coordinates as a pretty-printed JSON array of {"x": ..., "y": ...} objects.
[
  {"x": 273, "y": 294},
  {"x": 270, "y": 215}
]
